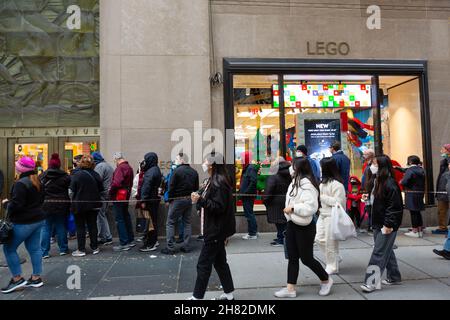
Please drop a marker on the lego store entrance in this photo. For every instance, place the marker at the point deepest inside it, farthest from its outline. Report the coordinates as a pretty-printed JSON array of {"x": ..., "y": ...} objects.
[{"x": 276, "y": 105}]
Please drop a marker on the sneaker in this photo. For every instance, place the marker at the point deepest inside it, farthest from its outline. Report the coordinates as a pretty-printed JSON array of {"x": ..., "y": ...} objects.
[
  {"x": 132, "y": 244},
  {"x": 147, "y": 248},
  {"x": 276, "y": 244},
  {"x": 369, "y": 288},
  {"x": 389, "y": 282},
  {"x": 52, "y": 240},
  {"x": 192, "y": 298},
  {"x": 168, "y": 251},
  {"x": 121, "y": 248},
  {"x": 413, "y": 234},
  {"x": 14, "y": 285},
  {"x": 96, "y": 251},
  {"x": 285, "y": 293},
  {"x": 45, "y": 256},
  {"x": 439, "y": 231},
  {"x": 442, "y": 253},
  {"x": 157, "y": 244},
  {"x": 325, "y": 288},
  {"x": 249, "y": 237},
  {"x": 224, "y": 297},
  {"x": 64, "y": 253},
  {"x": 330, "y": 271},
  {"x": 185, "y": 250},
  {"x": 34, "y": 283},
  {"x": 139, "y": 239},
  {"x": 78, "y": 253},
  {"x": 105, "y": 242}
]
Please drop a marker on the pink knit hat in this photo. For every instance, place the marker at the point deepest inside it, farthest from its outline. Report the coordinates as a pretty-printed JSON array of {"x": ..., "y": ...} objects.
[
  {"x": 25, "y": 164},
  {"x": 447, "y": 147}
]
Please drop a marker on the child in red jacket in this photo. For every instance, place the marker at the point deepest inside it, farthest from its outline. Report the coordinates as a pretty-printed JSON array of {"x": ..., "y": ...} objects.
[{"x": 354, "y": 204}]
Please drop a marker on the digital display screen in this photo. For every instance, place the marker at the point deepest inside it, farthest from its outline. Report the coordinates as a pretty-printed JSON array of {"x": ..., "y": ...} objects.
[{"x": 323, "y": 95}]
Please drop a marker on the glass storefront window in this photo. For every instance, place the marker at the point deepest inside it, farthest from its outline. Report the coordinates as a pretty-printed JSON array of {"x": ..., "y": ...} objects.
[
  {"x": 38, "y": 152},
  {"x": 322, "y": 109},
  {"x": 257, "y": 125},
  {"x": 72, "y": 149}
]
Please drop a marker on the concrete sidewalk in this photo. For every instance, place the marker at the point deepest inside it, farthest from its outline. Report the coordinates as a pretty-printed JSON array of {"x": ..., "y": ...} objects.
[{"x": 258, "y": 271}]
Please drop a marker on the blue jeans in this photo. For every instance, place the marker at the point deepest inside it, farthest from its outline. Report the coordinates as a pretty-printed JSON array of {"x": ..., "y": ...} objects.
[
  {"x": 123, "y": 222},
  {"x": 56, "y": 222},
  {"x": 31, "y": 235},
  {"x": 248, "y": 203},
  {"x": 447, "y": 242}
]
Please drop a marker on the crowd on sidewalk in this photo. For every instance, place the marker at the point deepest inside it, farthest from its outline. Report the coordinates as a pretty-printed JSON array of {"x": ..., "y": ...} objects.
[{"x": 300, "y": 197}]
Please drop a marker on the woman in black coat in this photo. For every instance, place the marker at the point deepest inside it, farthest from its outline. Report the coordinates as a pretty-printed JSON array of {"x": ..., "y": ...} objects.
[
  {"x": 414, "y": 185},
  {"x": 56, "y": 184},
  {"x": 274, "y": 198},
  {"x": 220, "y": 224},
  {"x": 86, "y": 188}
]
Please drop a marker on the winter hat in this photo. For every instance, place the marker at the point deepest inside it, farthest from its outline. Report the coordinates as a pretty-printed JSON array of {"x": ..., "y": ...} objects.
[
  {"x": 447, "y": 147},
  {"x": 55, "y": 162},
  {"x": 25, "y": 164},
  {"x": 98, "y": 157},
  {"x": 303, "y": 149}
]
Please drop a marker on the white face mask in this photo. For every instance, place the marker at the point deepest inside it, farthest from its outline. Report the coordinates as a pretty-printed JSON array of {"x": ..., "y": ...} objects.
[
  {"x": 299, "y": 154},
  {"x": 205, "y": 167},
  {"x": 374, "y": 169},
  {"x": 291, "y": 171}
]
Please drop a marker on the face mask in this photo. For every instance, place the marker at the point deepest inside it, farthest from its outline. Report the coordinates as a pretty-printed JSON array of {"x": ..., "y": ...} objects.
[
  {"x": 374, "y": 169},
  {"x": 205, "y": 167},
  {"x": 174, "y": 166},
  {"x": 291, "y": 171},
  {"x": 299, "y": 154},
  {"x": 444, "y": 155}
]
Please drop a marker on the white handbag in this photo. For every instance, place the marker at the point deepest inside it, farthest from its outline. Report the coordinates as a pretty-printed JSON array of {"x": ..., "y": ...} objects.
[{"x": 342, "y": 226}]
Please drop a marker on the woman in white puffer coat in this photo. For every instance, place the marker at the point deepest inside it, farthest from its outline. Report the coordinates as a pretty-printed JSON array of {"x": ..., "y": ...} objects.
[
  {"x": 332, "y": 192},
  {"x": 302, "y": 203}
]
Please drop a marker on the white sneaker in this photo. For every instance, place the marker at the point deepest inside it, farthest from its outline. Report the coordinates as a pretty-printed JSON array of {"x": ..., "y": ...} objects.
[
  {"x": 224, "y": 297},
  {"x": 78, "y": 253},
  {"x": 249, "y": 237},
  {"x": 370, "y": 288},
  {"x": 285, "y": 293},
  {"x": 412, "y": 234},
  {"x": 192, "y": 298},
  {"x": 331, "y": 270},
  {"x": 325, "y": 288},
  {"x": 96, "y": 251}
]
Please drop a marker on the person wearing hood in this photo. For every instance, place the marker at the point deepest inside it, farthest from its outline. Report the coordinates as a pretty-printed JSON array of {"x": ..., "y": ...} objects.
[
  {"x": 414, "y": 181},
  {"x": 150, "y": 199},
  {"x": 55, "y": 183},
  {"x": 277, "y": 184},
  {"x": 105, "y": 171},
  {"x": 442, "y": 199},
  {"x": 120, "y": 191},
  {"x": 247, "y": 191},
  {"x": 183, "y": 182}
]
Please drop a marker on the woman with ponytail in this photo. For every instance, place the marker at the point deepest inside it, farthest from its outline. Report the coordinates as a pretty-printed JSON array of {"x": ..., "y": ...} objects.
[{"x": 26, "y": 214}]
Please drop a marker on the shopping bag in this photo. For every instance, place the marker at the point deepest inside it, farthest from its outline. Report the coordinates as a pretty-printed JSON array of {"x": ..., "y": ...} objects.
[{"x": 342, "y": 226}]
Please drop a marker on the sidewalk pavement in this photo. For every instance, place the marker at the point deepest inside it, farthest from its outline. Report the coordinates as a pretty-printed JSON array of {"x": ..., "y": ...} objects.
[{"x": 258, "y": 271}]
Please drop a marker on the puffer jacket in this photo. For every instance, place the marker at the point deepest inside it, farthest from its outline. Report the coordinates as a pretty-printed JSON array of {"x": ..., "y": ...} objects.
[
  {"x": 152, "y": 179},
  {"x": 55, "y": 184},
  {"x": 305, "y": 202},
  {"x": 331, "y": 193}
]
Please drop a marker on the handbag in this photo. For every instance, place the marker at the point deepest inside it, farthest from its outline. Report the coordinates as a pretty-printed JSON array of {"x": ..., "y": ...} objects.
[
  {"x": 6, "y": 230},
  {"x": 122, "y": 195}
]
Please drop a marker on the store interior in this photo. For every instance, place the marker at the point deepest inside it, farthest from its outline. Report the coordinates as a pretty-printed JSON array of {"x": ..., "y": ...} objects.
[{"x": 309, "y": 98}]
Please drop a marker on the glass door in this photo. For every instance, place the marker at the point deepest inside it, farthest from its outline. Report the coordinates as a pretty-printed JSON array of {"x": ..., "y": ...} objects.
[{"x": 70, "y": 147}]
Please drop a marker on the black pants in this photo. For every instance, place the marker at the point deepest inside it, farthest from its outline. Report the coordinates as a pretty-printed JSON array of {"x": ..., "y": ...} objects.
[
  {"x": 213, "y": 253},
  {"x": 416, "y": 219},
  {"x": 281, "y": 227},
  {"x": 300, "y": 242},
  {"x": 82, "y": 219},
  {"x": 355, "y": 215},
  {"x": 151, "y": 237}
]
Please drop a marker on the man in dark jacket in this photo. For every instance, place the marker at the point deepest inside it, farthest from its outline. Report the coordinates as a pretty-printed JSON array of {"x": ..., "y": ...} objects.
[
  {"x": 247, "y": 193},
  {"x": 442, "y": 199},
  {"x": 150, "y": 198},
  {"x": 445, "y": 252},
  {"x": 183, "y": 182},
  {"x": 342, "y": 161},
  {"x": 301, "y": 152},
  {"x": 122, "y": 182},
  {"x": 55, "y": 183}
]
